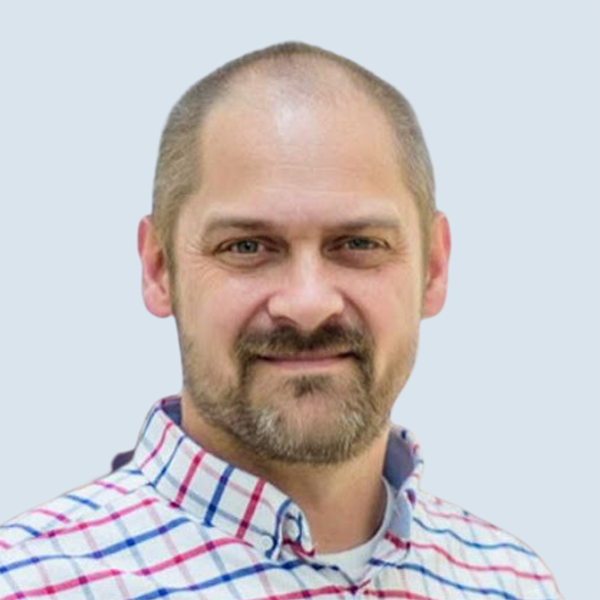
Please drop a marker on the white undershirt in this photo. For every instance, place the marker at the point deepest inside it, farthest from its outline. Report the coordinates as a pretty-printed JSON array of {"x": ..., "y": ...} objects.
[{"x": 353, "y": 561}]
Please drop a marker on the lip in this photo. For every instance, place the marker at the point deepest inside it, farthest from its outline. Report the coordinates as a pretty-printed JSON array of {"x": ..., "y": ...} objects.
[{"x": 306, "y": 361}]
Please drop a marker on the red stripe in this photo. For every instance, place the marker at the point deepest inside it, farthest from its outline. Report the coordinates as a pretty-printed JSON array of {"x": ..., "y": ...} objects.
[
  {"x": 466, "y": 519},
  {"x": 58, "y": 516},
  {"x": 82, "y": 526},
  {"x": 160, "y": 443},
  {"x": 299, "y": 549},
  {"x": 396, "y": 594},
  {"x": 67, "y": 585},
  {"x": 400, "y": 544},
  {"x": 93, "y": 577},
  {"x": 111, "y": 486},
  {"x": 188, "y": 476},
  {"x": 471, "y": 567},
  {"x": 181, "y": 558},
  {"x": 251, "y": 508},
  {"x": 396, "y": 541},
  {"x": 327, "y": 590}
]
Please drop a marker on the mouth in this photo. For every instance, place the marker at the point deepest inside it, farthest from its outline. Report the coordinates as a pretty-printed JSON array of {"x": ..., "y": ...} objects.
[{"x": 307, "y": 360}]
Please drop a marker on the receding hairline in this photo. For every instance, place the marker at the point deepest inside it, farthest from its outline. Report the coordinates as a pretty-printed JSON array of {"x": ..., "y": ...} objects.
[
  {"x": 302, "y": 77},
  {"x": 306, "y": 74},
  {"x": 263, "y": 93}
]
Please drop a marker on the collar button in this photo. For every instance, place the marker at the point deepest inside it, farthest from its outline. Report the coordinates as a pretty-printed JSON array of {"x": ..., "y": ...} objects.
[
  {"x": 293, "y": 531},
  {"x": 266, "y": 543}
]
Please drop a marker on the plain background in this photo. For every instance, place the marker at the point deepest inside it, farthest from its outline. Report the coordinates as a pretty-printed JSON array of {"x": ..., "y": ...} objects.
[{"x": 505, "y": 395}]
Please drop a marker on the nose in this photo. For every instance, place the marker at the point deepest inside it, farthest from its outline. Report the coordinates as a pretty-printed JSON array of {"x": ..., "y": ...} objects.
[{"x": 307, "y": 296}]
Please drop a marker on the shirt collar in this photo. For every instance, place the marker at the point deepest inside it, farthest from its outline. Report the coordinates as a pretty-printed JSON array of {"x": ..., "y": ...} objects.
[{"x": 218, "y": 494}]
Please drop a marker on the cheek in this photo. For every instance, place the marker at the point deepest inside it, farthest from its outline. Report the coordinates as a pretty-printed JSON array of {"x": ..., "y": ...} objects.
[
  {"x": 390, "y": 297},
  {"x": 214, "y": 310},
  {"x": 392, "y": 310}
]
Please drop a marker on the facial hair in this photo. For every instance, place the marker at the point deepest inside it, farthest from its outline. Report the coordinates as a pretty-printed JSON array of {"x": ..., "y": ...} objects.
[{"x": 312, "y": 418}]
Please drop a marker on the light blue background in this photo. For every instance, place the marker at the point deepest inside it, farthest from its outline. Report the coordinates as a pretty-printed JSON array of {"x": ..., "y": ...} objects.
[{"x": 505, "y": 395}]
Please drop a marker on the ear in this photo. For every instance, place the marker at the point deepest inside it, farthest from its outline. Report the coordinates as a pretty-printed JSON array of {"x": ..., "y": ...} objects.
[
  {"x": 155, "y": 277},
  {"x": 436, "y": 285}
]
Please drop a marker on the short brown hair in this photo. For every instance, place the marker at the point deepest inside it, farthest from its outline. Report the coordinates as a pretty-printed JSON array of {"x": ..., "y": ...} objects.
[{"x": 177, "y": 172}]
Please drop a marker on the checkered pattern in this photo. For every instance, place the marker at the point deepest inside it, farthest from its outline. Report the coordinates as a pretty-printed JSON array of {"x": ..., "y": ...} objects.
[{"x": 177, "y": 522}]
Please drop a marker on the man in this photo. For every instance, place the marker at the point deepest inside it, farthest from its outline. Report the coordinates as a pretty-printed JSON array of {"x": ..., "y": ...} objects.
[{"x": 295, "y": 239}]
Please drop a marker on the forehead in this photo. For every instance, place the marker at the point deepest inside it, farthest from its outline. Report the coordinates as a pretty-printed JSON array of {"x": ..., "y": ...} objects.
[
  {"x": 268, "y": 153},
  {"x": 264, "y": 124}
]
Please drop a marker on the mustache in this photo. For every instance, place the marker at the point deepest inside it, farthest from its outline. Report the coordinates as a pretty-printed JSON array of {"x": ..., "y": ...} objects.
[{"x": 288, "y": 340}]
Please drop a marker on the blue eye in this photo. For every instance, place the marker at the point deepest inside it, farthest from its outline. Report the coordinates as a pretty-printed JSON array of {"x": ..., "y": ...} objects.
[
  {"x": 244, "y": 247},
  {"x": 253, "y": 248},
  {"x": 361, "y": 244}
]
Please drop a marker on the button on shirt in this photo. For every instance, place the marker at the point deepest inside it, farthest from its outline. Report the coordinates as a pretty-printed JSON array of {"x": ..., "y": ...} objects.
[{"x": 178, "y": 522}]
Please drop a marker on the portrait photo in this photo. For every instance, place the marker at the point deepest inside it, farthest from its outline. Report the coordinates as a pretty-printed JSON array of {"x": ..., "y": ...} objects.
[{"x": 300, "y": 299}]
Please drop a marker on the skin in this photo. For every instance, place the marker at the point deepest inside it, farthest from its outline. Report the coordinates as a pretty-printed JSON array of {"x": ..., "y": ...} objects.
[{"x": 308, "y": 169}]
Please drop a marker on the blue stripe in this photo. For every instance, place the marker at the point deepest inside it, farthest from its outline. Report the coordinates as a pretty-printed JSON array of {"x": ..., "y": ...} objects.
[
  {"x": 126, "y": 543},
  {"x": 30, "y": 530},
  {"x": 473, "y": 544},
  {"x": 199, "y": 499},
  {"x": 149, "y": 420},
  {"x": 444, "y": 581},
  {"x": 84, "y": 501},
  {"x": 221, "y": 579},
  {"x": 168, "y": 463},
  {"x": 282, "y": 510},
  {"x": 223, "y": 568},
  {"x": 217, "y": 495},
  {"x": 132, "y": 471},
  {"x": 136, "y": 540}
]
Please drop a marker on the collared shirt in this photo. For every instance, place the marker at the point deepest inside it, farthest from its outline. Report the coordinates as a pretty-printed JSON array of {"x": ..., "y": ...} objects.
[{"x": 178, "y": 522}]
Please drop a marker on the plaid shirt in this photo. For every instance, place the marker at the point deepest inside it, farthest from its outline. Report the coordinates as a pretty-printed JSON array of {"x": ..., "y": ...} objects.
[{"x": 177, "y": 522}]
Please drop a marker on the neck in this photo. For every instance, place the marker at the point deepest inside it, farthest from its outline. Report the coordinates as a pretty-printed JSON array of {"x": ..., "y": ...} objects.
[{"x": 344, "y": 503}]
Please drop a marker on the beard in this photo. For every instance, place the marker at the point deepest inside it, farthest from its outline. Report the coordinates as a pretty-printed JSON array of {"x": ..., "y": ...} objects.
[{"x": 313, "y": 418}]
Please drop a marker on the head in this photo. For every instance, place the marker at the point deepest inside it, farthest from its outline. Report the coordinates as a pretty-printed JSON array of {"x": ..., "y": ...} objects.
[{"x": 294, "y": 218}]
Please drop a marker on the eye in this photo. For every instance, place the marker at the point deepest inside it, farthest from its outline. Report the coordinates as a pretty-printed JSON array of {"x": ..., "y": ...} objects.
[
  {"x": 243, "y": 247},
  {"x": 362, "y": 244}
]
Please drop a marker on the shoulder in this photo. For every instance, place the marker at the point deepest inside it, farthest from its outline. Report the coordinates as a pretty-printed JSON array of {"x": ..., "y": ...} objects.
[
  {"x": 77, "y": 507},
  {"x": 470, "y": 544},
  {"x": 52, "y": 548}
]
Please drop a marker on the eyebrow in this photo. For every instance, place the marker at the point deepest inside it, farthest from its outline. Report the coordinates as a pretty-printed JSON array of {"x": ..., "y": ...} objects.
[{"x": 252, "y": 224}]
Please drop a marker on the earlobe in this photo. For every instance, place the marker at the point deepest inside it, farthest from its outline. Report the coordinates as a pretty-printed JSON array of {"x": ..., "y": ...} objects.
[
  {"x": 436, "y": 286},
  {"x": 155, "y": 277}
]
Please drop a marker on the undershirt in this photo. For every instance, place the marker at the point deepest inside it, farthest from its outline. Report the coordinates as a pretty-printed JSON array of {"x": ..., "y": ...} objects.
[{"x": 354, "y": 560}]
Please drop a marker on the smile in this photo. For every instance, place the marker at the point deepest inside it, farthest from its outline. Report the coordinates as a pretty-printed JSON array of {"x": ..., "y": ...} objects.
[{"x": 306, "y": 361}]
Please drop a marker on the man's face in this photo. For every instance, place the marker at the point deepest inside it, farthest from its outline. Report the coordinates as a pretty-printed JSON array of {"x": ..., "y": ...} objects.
[{"x": 299, "y": 279}]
